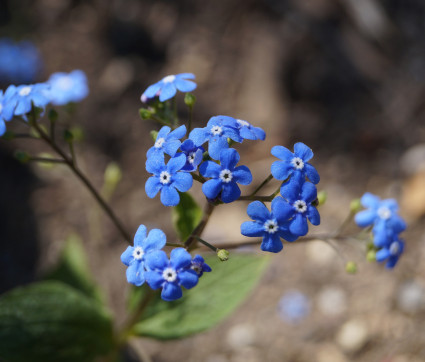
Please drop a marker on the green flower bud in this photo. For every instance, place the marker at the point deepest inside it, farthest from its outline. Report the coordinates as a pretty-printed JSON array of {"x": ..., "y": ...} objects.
[
  {"x": 189, "y": 100},
  {"x": 223, "y": 254},
  {"x": 355, "y": 206},
  {"x": 22, "y": 156},
  {"x": 154, "y": 135},
  {"x": 77, "y": 134},
  {"x": 322, "y": 197},
  {"x": 112, "y": 175},
  {"x": 145, "y": 113},
  {"x": 46, "y": 165},
  {"x": 371, "y": 255},
  {"x": 351, "y": 267}
]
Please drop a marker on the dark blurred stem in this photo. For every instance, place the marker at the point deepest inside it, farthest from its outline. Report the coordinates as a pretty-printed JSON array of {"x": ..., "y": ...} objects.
[
  {"x": 212, "y": 247},
  {"x": 174, "y": 105},
  {"x": 52, "y": 130},
  {"x": 71, "y": 150},
  {"x": 197, "y": 232},
  {"x": 160, "y": 121},
  {"x": 189, "y": 122},
  {"x": 198, "y": 178},
  {"x": 260, "y": 198},
  {"x": 265, "y": 182},
  {"x": 84, "y": 180},
  {"x": 47, "y": 160}
]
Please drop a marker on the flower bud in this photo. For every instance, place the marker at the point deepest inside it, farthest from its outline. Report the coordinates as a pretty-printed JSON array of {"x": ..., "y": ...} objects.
[
  {"x": 355, "y": 206},
  {"x": 223, "y": 254},
  {"x": 371, "y": 255},
  {"x": 154, "y": 135},
  {"x": 351, "y": 267},
  {"x": 189, "y": 100},
  {"x": 145, "y": 113},
  {"x": 22, "y": 156},
  {"x": 322, "y": 197},
  {"x": 68, "y": 136},
  {"x": 112, "y": 176}
]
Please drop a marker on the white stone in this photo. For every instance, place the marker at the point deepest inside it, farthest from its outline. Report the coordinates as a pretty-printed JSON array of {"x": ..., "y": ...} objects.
[
  {"x": 332, "y": 301},
  {"x": 352, "y": 336},
  {"x": 240, "y": 335}
]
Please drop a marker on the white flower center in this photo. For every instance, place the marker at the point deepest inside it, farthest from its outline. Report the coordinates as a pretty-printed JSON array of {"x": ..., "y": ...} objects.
[
  {"x": 159, "y": 142},
  {"x": 216, "y": 130},
  {"x": 226, "y": 176},
  {"x": 165, "y": 178},
  {"x": 298, "y": 163},
  {"x": 384, "y": 213},
  {"x": 197, "y": 268},
  {"x": 25, "y": 91},
  {"x": 242, "y": 123},
  {"x": 300, "y": 206},
  {"x": 169, "y": 275},
  {"x": 65, "y": 83},
  {"x": 191, "y": 157},
  {"x": 271, "y": 226},
  {"x": 138, "y": 253},
  {"x": 169, "y": 79},
  {"x": 394, "y": 248}
]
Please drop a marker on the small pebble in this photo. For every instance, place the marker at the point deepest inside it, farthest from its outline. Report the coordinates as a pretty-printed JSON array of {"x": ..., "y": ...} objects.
[{"x": 352, "y": 336}]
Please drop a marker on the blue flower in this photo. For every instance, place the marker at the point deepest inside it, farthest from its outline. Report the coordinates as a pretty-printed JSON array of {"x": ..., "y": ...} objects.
[
  {"x": 217, "y": 131},
  {"x": 19, "y": 62},
  {"x": 294, "y": 164},
  {"x": 199, "y": 266},
  {"x": 68, "y": 87},
  {"x": 247, "y": 130},
  {"x": 167, "y": 179},
  {"x": 167, "y": 87},
  {"x": 294, "y": 306},
  {"x": 135, "y": 256},
  {"x": 271, "y": 226},
  {"x": 382, "y": 214},
  {"x": 390, "y": 253},
  {"x": 224, "y": 177},
  {"x": 194, "y": 155},
  {"x": 7, "y": 107},
  {"x": 26, "y": 95},
  {"x": 167, "y": 142},
  {"x": 170, "y": 275},
  {"x": 300, "y": 196}
]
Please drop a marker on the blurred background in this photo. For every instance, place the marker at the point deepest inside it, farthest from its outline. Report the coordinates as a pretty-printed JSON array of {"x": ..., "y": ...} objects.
[{"x": 346, "y": 77}]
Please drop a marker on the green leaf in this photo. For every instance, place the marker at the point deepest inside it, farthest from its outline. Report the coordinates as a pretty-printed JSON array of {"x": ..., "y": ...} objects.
[
  {"x": 72, "y": 269},
  {"x": 214, "y": 298},
  {"x": 51, "y": 321},
  {"x": 186, "y": 215}
]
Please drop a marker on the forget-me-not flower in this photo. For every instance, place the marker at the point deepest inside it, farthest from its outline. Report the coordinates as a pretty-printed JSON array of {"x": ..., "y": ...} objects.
[
  {"x": 217, "y": 131},
  {"x": 135, "y": 256},
  {"x": 167, "y": 141},
  {"x": 247, "y": 130},
  {"x": 7, "y": 107},
  {"x": 382, "y": 214},
  {"x": 167, "y": 87},
  {"x": 294, "y": 164},
  {"x": 300, "y": 196},
  {"x": 194, "y": 155},
  {"x": 167, "y": 178},
  {"x": 170, "y": 275},
  {"x": 271, "y": 226},
  {"x": 225, "y": 177},
  {"x": 199, "y": 266},
  {"x": 26, "y": 95},
  {"x": 68, "y": 87},
  {"x": 391, "y": 253}
]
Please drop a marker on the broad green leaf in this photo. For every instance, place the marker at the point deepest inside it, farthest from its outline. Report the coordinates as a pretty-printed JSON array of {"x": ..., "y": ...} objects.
[
  {"x": 217, "y": 294},
  {"x": 51, "y": 321},
  {"x": 186, "y": 215},
  {"x": 72, "y": 268}
]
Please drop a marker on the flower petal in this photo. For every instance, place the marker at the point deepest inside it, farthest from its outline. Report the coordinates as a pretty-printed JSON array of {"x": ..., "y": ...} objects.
[
  {"x": 171, "y": 292},
  {"x": 199, "y": 136},
  {"x": 163, "y": 132},
  {"x": 188, "y": 278},
  {"x": 230, "y": 192},
  {"x": 229, "y": 158},
  {"x": 302, "y": 151},
  {"x": 178, "y": 133},
  {"x": 313, "y": 215},
  {"x": 212, "y": 188},
  {"x": 370, "y": 201},
  {"x": 168, "y": 90},
  {"x": 156, "y": 240},
  {"x": 298, "y": 225},
  {"x": 185, "y": 85},
  {"x": 170, "y": 147},
  {"x": 176, "y": 163},
  {"x": 281, "y": 170},
  {"x": 155, "y": 163},
  {"x": 180, "y": 258},
  {"x": 216, "y": 145},
  {"x": 152, "y": 186},
  {"x": 308, "y": 192},
  {"x": 169, "y": 196},
  {"x": 282, "y": 153},
  {"x": 157, "y": 260},
  {"x": 282, "y": 210},
  {"x": 135, "y": 273},
  {"x": 382, "y": 255},
  {"x": 152, "y": 90},
  {"x": 185, "y": 76},
  {"x": 312, "y": 173},
  {"x": 242, "y": 175},
  {"x": 252, "y": 229},
  {"x": 140, "y": 235},
  {"x": 154, "y": 279},
  {"x": 210, "y": 169},
  {"x": 271, "y": 243},
  {"x": 365, "y": 218},
  {"x": 258, "y": 211},
  {"x": 127, "y": 256},
  {"x": 182, "y": 181}
]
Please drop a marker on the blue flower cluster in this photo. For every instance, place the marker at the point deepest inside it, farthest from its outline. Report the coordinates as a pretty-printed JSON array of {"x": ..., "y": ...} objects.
[
  {"x": 386, "y": 227},
  {"x": 146, "y": 262},
  {"x": 167, "y": 87},
  {"x": 19, "y": 62},
  {"x": 289, "y": 212},
  {"x": 60, "y": 89},
  {"x": 223, "y": 176}
]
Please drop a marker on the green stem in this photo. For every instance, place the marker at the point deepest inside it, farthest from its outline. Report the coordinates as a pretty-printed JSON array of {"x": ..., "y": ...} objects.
[
  {"x": 47, "y": 160},
  {"x": 212, "y": 247},
  {"x": 85, "y": 181},
  {"x": 71, "y": 150},
  {"x": 189, "y": 122},
  {"x": 198, "y": 178},
  {"x": 265, "y": 182},
  {"x": 209, "y": 208},
  {"x": 159, "y": 120}
]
